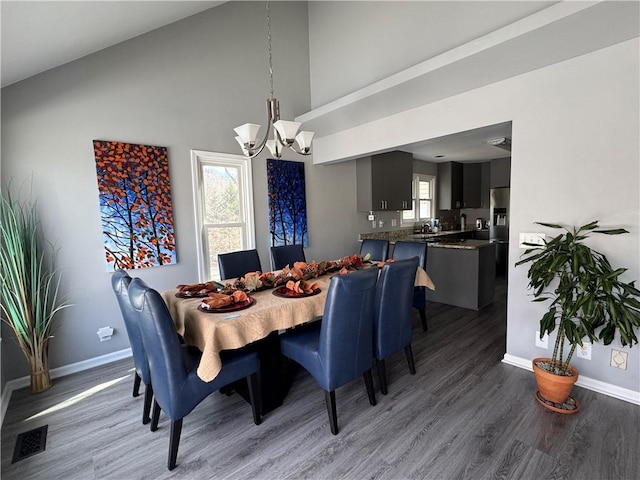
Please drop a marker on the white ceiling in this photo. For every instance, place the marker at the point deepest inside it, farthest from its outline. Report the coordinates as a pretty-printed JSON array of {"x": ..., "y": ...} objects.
[
  {"x": 37, "y": 36},
  {"x": 40, "y": 35}
]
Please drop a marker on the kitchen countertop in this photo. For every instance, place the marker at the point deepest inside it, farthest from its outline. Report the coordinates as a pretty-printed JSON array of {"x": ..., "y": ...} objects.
[
  {"x": 440, "y": 242},
  {"x": 438, "y": 239}
]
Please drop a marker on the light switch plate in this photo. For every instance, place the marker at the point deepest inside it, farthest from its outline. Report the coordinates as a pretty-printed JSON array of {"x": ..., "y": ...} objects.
[
  {"x": 618, "y": 359},
  {"x": 535, "y": 238}
]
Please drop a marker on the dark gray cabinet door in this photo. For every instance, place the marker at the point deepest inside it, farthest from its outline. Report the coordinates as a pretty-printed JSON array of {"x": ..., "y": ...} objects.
[
  {"x": 471, "y": 178},
  {"x": 384, "y": 181},
  {"x": 449, "y": 185},
  {"x": 500, "y": 172}
]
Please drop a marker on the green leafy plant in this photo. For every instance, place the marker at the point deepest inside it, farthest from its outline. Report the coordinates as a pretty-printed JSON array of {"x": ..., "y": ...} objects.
[
  {"x": 588, "y": 299},
  {"x": 30, "y": 284}
]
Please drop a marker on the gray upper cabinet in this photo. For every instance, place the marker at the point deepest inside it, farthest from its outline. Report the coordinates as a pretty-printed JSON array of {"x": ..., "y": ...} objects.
[
  {"x": 500, "y": 172},
  {"x": 471, "y": 185},
  {"x": 485, "y": 185},
  {"x": 449, "y": 179},
  {"x": 384, "y": 181}
]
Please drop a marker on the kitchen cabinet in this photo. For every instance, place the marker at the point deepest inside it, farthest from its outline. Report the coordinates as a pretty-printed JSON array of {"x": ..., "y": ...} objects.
[
  {"x": 384, "y": 182},
  {"x": 485, "y": 185},
  {"x": 500, "y": 172},
  {"x": 449, "y": 179},
  {"x": 471, "y": 191}
]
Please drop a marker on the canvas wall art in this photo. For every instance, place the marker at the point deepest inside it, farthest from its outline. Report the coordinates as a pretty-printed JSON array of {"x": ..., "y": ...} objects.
[
  {"x": 287, "y": 203},
  {"x": 135, "y": 205}
]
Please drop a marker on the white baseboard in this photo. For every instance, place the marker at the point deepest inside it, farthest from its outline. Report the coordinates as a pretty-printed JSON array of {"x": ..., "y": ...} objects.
[
  {"x": 18, "y": 383},
  {"x": 614, "y": 391}
]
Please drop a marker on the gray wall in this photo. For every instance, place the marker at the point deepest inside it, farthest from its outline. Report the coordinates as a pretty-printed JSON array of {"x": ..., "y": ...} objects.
[
  {"x": 348, "y": 40},
  {"x": 184, "y": 86},
  {"x": 574, "y": 159}
]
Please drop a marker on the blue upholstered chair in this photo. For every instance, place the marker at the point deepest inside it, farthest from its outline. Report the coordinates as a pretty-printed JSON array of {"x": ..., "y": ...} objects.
[
  {"x": 340, "y": 348},
  {"x": 177, "y": 389},
  {"x": 392, "y": 315},
  {"x": 404, "y": 249},
  {"x": 236, "y": 264},
  {"x": 284, "y": 255},
  {"x": 120, "y": 282},
  {"x": 377, "y": 249}
]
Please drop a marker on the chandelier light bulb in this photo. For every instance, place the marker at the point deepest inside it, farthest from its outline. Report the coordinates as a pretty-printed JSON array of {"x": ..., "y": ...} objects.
[
  {"x": 275, "y": 147},
  {"x": 304, "y": 139},
  {"x": 287, "y": 130},
  {"x": 248, "y": 134}
]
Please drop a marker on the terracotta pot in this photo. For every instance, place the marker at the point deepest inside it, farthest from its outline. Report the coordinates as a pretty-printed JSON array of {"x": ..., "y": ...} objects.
[{"x": 555, "y": 388}]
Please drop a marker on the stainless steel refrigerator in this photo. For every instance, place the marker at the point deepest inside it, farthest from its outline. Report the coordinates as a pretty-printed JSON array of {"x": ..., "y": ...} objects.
[{"x": 499, "y": 227}]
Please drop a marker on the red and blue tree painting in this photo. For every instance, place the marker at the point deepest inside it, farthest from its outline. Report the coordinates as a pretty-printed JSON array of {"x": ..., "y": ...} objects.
[
  {"x": 287, "y": 203},
  {"x": 135, "y": 205}
]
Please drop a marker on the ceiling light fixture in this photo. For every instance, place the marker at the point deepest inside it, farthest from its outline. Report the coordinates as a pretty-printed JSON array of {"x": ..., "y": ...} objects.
[
  {"x": 500, "y": 142},
  {"x": 280, "y": 133}
]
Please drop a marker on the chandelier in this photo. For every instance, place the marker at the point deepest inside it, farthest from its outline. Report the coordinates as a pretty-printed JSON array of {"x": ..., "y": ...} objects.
[{"x": 280, "y": 133}]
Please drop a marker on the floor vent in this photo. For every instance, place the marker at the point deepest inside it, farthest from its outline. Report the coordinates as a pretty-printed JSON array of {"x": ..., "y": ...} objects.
[{"x": 29, "y": 443}]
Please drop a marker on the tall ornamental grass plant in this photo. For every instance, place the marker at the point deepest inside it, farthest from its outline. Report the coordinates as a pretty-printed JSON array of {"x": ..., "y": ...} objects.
[{"x": 30, "y": 285}]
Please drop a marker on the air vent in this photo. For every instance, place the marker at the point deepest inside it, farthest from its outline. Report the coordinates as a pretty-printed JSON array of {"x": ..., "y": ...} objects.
[{"x": 29, "y": 443}]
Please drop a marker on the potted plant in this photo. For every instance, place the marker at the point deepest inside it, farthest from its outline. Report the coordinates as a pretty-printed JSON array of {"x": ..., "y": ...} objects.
[
  {"x": 30, "y": 285},
  {"x": 588, "y": 300}
]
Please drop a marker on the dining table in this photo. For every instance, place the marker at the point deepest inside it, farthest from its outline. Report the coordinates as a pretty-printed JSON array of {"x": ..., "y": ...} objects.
[{"x": 256, "y": 325}]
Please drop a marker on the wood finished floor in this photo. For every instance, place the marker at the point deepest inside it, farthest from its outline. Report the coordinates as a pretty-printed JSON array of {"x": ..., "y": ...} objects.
[{"x": 463, "y": 415}]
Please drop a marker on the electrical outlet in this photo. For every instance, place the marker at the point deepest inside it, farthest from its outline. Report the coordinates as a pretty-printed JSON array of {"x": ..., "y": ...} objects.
[
  {"x": 584, "y": 351},
  {"x": 535, "y": 238},
  {"x": 393, "y": 222},
  {"x": 373, "y": 224},
  {"x": 618, "y": 359},
  {"x": 105, "y": 333},
  {"x": 544, "y": 342},
  {"x": 381, "y": 223}
]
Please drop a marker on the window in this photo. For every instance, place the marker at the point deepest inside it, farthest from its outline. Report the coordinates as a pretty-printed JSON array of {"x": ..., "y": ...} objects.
[
  {"x": 422, "y": 199},
  {"x": 223, "y": 208}
]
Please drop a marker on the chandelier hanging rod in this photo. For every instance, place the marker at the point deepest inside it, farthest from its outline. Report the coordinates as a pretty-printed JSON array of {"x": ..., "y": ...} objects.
[{"x": 285, "y": 133}]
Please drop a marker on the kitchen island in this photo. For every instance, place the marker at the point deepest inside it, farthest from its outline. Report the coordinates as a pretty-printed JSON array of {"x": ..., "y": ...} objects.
[{"x": 463, "y": 270}]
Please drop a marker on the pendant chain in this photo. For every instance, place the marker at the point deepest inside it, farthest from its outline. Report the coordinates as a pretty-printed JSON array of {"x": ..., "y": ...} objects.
[{"x": 269, "y": 43}]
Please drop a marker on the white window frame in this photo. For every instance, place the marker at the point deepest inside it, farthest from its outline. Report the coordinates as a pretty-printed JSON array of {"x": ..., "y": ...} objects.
[
  {"x": 415, "y": 191},
  {"x": 199, "y": 159}
]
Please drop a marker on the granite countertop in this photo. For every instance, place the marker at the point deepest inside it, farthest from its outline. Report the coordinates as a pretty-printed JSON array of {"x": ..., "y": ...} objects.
[
  {"x": 438, "y": 239},
  {"x": 442, "y": 242}
]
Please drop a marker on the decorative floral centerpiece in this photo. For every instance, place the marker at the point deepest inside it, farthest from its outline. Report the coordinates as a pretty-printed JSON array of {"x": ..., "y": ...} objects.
[{"x": 299, "y": 272}]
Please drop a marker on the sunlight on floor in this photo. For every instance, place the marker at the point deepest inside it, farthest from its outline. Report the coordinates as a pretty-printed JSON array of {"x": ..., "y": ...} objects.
[{"x": 77, "y": 398}]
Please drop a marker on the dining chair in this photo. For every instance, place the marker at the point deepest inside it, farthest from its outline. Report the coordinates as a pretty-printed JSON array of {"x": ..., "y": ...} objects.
[
  {"x": 392, "y": 325},
  {"x": 338, "y": 349},
  {"x": 284, "y": 255},
  {"x": 377, "y": 249},
  {"x": 176, "y": 386},
  {"x": 236, "y": 264},
  {"x": 406, "y": 249},
  {"x": 120, "y": 283}
]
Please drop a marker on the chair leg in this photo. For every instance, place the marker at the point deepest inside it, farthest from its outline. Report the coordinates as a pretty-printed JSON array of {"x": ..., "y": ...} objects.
[
  {"x": 255, "y": 397},
  {"x": 148, "y": 398},
  {"x": 155, "y": 417},
  {"x": 368, "y": 382},
  {"x": 174, "y": 441},
  {"x": 382, "y": 375},
  {"x": 136, "y": 384},
  {"x": 408, "y": 352},
  {"x": 423, "y": 319},
  {"x": 330, "y": 400}
]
